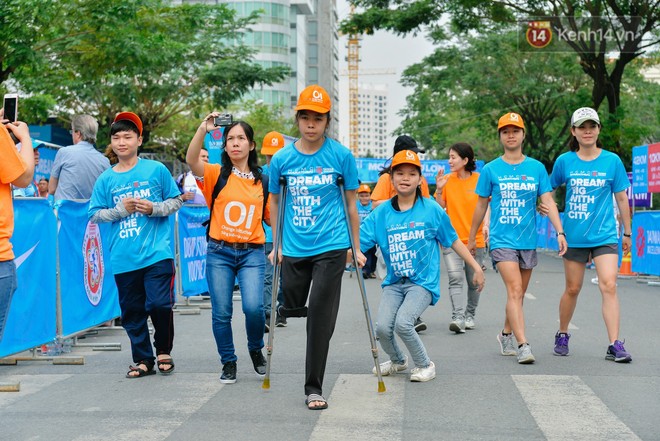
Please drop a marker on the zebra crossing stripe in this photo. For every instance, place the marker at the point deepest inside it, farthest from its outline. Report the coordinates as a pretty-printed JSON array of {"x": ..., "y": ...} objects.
[
  {"x": 357, "y": 411},
  {"x": 564, "y": 407}
]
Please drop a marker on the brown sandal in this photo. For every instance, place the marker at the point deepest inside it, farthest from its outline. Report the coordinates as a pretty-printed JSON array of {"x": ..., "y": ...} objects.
[
  {"x": 167, "y": 360},
  {"x": 141, "y": 372}
]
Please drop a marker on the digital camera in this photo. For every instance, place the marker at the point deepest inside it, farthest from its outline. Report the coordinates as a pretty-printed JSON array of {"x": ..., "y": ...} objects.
[{"x": 223, "y": 120}]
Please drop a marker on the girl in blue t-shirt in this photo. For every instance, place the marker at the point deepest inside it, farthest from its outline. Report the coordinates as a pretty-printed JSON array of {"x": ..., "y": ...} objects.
[
  {"x": 514, "y": 182},
  {"x": 408, "y": 229},
  {"x": 592, "y": 175},
  {"x": 315, "y": 229}
]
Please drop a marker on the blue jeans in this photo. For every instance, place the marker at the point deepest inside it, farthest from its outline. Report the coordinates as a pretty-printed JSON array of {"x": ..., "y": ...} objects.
[
  {"x": 457, "y": 271},
  {"x": 401, "y": 304},
  {"x": 8, "y": 282},
  {"x": 223, "y": 265},
  {"x": 268, "y": 282}
]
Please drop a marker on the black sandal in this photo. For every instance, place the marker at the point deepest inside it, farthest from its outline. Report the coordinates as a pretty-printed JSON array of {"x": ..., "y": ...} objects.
[
  {"x": 141, "y": 372},
  {"x": 167, "y": 360},
  {"x": 316, "y": 398}
]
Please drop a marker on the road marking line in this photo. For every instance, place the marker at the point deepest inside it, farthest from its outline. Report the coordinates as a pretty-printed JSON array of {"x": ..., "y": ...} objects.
[
  {"x": 357, "y": 411},
  {"x": 529, "y": 295},
  {"x": 30, "y": 384},
  {"x": 570, "y": 325},
  {"x": 564, "y": 407}
]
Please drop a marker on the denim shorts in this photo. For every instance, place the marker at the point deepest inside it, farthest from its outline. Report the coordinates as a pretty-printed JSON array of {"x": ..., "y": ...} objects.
[
  {"x": 584, "y": 255},
  {"x": 526, "y": 259}
]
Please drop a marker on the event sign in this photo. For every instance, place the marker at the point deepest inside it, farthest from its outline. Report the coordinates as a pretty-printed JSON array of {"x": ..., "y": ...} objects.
[
  {"x": 641, "y": 199},
  {"x": 192, "y": 249},
  {"x": 646, "y": 168},
  {"x": 213, "y": 143}
]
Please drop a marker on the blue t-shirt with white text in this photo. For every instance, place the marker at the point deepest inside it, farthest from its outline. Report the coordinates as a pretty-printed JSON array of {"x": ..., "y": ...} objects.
[
  {"x": 589, "y": 218},
  {"x": 314, "y": 217},
  {"x": 364, "y": 210},
  {"x": 137, "y": 240},
  {"x": 409, "y": 241},
  {"x": 514, "y": 189}
]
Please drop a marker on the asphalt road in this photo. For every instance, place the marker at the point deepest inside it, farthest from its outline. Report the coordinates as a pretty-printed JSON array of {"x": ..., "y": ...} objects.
[{"x": 477, "y": 394}]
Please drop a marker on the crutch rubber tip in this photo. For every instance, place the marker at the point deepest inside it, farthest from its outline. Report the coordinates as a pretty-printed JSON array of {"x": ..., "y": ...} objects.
[
  {"x": 266, "y": 384},
  {"x": 381, "y": 387}
]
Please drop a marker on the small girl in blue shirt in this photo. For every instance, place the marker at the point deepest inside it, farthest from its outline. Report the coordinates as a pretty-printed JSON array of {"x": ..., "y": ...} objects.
[{"x": 408, "y": 229}]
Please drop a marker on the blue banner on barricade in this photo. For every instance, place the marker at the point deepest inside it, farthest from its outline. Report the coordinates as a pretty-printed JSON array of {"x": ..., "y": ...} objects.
[
  {"x": 542, "y": 223},
  {"x": 32, "y": 316},
  {"x": 87, "y": 286},
  {"x": 546, "y": 233},
  {"x": 646, "y": 243},
  {"x": 192, "y": 249},
  {"x": 369, "y": 168}
]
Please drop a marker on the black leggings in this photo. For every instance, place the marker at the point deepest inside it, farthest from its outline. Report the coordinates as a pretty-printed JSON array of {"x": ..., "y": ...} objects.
[{"x": 324, "y": 273}]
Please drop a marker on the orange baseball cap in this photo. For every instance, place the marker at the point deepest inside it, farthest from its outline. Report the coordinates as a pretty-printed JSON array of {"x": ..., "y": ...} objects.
[
  {"x": 314, "y": 98},
  {"x": 510, "y": 119},
  {"x": 364, "y": 188},
  {"x": 132, "y": 117},
  {"x": 273, "y": 141},
  {"x": 406, "y": 157}
]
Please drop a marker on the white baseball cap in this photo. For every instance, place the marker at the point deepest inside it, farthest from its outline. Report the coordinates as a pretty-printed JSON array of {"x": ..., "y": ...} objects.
[{"x": 584, "y": 114}]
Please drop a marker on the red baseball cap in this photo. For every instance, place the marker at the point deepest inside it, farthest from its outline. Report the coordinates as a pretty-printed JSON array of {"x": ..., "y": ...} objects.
[{"x": 132, "y": 117}]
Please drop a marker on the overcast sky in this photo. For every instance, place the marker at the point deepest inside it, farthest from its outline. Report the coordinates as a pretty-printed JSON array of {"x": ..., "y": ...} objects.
[{"x": 383, "y": 51}]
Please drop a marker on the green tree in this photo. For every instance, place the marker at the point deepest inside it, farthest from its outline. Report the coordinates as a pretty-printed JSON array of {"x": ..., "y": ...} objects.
[
  {"x": 463, "y": 88},
  {"x": 149, "y": 57},
  {"x": 26, "y": 37},
  {"x": 605, "y": 66}
]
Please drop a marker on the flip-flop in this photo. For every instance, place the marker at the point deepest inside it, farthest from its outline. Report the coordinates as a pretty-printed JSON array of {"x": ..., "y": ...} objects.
[
  {"x": 316, "y": 398},
  {"x": 167, "y": 360},
  {"x": 141, "y": 372}
]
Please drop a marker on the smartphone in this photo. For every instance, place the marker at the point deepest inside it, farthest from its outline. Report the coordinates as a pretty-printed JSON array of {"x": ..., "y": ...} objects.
[{"x": 11, "y": 107}]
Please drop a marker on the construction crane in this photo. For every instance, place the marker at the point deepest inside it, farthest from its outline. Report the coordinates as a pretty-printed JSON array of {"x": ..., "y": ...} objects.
[{"x": 353, "y": 59}]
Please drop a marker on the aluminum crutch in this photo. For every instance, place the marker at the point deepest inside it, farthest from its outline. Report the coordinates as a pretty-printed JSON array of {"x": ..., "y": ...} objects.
[
  {"x": 363, "y": 291},
  {"x": 277, "y": 240}
]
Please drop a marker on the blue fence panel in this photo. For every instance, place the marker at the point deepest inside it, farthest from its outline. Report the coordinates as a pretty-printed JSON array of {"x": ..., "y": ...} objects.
[
  {"x": 32, "y": 314},
  {"x": 87, "y": 286},
  {"x": 646, "y": 243}
]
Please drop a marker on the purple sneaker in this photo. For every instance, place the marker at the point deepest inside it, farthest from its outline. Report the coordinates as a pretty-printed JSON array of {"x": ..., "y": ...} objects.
[
  {"x": 561, "y": 343},
  {"x": 617, "y": 353}
]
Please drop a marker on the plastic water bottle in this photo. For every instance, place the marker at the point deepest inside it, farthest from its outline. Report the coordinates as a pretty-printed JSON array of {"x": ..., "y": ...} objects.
[
  {"x": 54, "y": 348},
  {"x": 66, "y": 346}
]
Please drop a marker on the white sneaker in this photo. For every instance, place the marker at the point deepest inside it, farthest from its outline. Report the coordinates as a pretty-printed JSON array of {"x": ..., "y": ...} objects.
[
  {"x": 469, "y": 322},
  {"x": 457, "y": 325},
  {"x": 525, "y": 355},
  {"x": 423, "y": 374},
  {"x": 506, "y": 344},
  {"x": 391, "y": 368}
]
